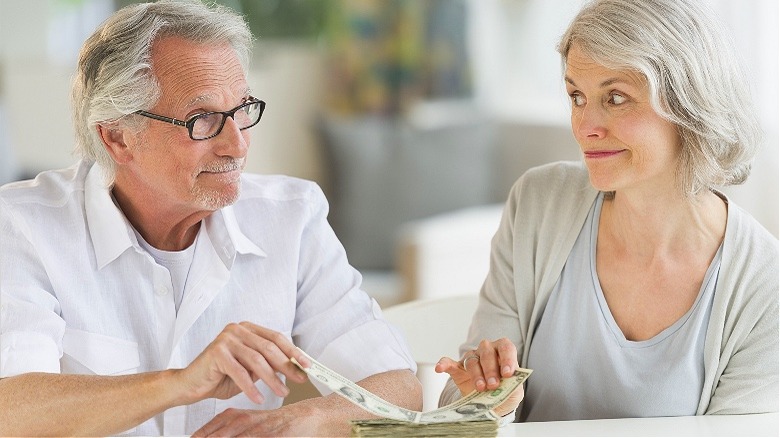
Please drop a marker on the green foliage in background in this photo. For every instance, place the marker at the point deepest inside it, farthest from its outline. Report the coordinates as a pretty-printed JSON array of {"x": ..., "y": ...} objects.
[
  {"x": 382, "y": 56},
  {"x": 385, "y": 55},
  {"x": 277, "y": 19},
  {"x": 286, "y": 19}
]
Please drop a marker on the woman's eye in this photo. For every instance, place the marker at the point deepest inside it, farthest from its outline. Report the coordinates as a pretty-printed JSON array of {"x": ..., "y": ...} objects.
[
  {"x": 577, "y": 99},
  {"x": 616, "y": 99}
]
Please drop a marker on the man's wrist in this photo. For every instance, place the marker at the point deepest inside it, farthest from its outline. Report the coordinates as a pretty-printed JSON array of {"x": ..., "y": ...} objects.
[{"x": 180, "y": 393}]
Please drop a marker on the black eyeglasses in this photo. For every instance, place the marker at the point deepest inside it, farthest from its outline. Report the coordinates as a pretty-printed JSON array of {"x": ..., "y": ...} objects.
[{"x": 210, "y": 124}]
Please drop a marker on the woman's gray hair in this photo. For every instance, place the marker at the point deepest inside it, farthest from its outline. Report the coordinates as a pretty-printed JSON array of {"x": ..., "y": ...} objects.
[
  {"x": 114, "y": 76},
  {"x": 694, "y": 79}
]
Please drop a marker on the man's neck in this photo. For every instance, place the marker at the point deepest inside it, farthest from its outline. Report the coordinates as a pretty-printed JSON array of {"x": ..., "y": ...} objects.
[{"x": 163, "y": 228}]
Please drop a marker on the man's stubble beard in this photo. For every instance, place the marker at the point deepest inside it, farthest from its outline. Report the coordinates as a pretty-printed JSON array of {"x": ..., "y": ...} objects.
[{"x": 214, "y": 199}]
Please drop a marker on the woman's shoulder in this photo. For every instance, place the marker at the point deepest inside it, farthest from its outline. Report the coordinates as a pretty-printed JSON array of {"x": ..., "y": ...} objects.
[
  {"x": 551, "y": 198},
  {"x": 556, "y": 174},
  {"x": 745, "y": 233},
  {"x": 558, "y": 170},
  {"x": 559, "y": 181},
  {"x": 751, "y": 255}
]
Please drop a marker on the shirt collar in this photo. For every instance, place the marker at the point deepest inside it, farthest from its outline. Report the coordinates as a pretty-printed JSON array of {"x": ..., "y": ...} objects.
[
  {"x": 226, "y": 237},
  {"x": 108, "y": 228},
  {"x": 112, "y": 234},
  {"x": 241, "y": 242}
]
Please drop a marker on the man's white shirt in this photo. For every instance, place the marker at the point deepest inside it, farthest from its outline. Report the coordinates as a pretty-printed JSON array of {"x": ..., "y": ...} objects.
[{"x": 79, "y": 294}]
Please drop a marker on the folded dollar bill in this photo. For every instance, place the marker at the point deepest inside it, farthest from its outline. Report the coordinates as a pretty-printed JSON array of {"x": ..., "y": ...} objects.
[{"x": 475, "y": 408}]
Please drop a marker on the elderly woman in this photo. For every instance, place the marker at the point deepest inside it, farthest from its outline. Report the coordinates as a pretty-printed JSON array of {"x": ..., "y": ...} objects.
[{"x": 630, "y": 284}]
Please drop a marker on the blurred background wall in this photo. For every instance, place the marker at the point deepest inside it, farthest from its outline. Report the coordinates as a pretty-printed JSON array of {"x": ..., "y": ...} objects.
[{"x": 415, "y": 116}]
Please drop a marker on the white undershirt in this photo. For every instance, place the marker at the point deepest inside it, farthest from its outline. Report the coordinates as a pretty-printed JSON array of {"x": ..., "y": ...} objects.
[{"x": 177, "y": 263}]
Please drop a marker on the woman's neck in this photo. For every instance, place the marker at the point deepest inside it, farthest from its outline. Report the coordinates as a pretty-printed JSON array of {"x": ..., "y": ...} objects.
[{"x": 664, "y": 224}]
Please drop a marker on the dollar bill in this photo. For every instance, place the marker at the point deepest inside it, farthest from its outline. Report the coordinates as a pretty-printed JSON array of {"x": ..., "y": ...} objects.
[
  {"x": 357, "y": 394},
  {"x": 476, "y": 406}
]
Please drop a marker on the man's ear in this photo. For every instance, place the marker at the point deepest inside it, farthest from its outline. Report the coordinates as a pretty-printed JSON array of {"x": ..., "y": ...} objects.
[{"x": 115, "y": 141}]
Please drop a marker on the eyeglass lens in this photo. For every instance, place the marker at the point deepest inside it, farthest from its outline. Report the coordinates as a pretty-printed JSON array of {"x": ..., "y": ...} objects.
[{"x": 209, "y": 124}]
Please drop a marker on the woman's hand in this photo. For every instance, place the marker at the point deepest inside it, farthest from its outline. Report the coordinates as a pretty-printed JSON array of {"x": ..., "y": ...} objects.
[{"x": 482, "y": 369}]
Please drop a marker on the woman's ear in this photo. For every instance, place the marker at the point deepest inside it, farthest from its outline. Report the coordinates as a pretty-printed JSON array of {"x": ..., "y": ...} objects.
[{"x": 115, "y": 141}]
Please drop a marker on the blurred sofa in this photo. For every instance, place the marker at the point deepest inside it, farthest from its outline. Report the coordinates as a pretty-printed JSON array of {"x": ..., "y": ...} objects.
[{"x": 416, "y": 201}]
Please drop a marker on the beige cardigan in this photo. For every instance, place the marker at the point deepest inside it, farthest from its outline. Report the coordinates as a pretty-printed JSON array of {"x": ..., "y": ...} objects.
[{"x": 542, "y": 218}]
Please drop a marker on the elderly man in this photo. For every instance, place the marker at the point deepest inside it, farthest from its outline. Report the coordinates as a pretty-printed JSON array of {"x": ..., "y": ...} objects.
[{"x": 153, "y": 286}]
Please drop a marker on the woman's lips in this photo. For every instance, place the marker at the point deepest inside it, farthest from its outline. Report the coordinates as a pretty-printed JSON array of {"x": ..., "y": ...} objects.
[{"x": 603, "y": 154}]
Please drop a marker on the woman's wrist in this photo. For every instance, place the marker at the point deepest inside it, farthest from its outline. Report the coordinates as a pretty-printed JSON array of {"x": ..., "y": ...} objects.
[{"x": 507, "y": 418}]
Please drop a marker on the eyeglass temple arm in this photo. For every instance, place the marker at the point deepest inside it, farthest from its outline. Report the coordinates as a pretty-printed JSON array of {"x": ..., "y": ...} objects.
[{"x": 161, "y": 118}]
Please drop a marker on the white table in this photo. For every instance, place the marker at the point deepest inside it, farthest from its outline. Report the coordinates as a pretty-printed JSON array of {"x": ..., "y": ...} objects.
[{"x": 706, "y": 425}]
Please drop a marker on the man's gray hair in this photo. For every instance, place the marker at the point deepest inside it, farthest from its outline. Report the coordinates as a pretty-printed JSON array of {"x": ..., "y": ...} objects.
[
  {"x": 694, "y": 78},
  {"x": 114, "y": 76}
]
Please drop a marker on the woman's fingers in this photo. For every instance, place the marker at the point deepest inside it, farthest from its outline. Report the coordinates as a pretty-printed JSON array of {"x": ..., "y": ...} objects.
[
  {"x": 472, "y": 363},
  {"x": 507, "y": 357},
  {"x": 511, "y": 403},
  {"x": 498, "y": 359},
  {"x": 482, "y": 369},
  {"x": 459, "y": 375}
]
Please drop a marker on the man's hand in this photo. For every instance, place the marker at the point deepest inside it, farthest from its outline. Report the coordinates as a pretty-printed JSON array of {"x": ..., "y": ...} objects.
[
  {"x": 318, "y": 416},
  {"x": 239, "y": 356},
  {"x": 482, "y": 369},
  {"x": 298, "y": 419}
]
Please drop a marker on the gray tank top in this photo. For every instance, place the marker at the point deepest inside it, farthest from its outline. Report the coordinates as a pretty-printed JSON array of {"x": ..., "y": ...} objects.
[{"x": 585, "y": 368}]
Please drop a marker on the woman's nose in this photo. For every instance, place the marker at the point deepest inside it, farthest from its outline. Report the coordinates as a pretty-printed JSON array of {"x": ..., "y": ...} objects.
[{"x": 590, "y": 122}]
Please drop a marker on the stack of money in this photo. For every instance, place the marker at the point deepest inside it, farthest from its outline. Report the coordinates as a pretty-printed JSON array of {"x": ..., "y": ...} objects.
[
  {"x": 472, "y": 415},
  {"x": 392, "y": 428}
]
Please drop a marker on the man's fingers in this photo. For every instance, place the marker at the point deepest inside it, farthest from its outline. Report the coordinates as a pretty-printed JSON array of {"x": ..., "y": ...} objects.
[
  {"x": 249, "y": 353},
  {"x": 230, "y": 422},
  {"x": 274, "y": 348},
  {"x": 209, "y": 428},
  {"x": 282, "y": 343},
  {"x": 240, "y": 376},
  {"x": 277, "y": 351},
  {"x": 262, "y": 370}
]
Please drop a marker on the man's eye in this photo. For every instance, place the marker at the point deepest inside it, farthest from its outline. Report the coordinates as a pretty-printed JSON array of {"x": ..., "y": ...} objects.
[
  {"x": 616, "y": 99},
  {"x": 194, "y": 115}
]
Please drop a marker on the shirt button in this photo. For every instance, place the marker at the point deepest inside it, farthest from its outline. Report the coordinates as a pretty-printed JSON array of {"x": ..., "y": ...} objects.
[{"x": 161, "y": 291}]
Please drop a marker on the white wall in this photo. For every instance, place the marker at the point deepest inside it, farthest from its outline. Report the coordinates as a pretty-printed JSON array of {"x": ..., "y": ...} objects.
[{"x": 36, "y": 63}]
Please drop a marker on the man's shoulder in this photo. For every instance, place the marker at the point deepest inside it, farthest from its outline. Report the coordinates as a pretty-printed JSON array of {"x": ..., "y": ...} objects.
[
  {"x": 52, "y": 188},
  {"x": 277, "y": 188}
]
